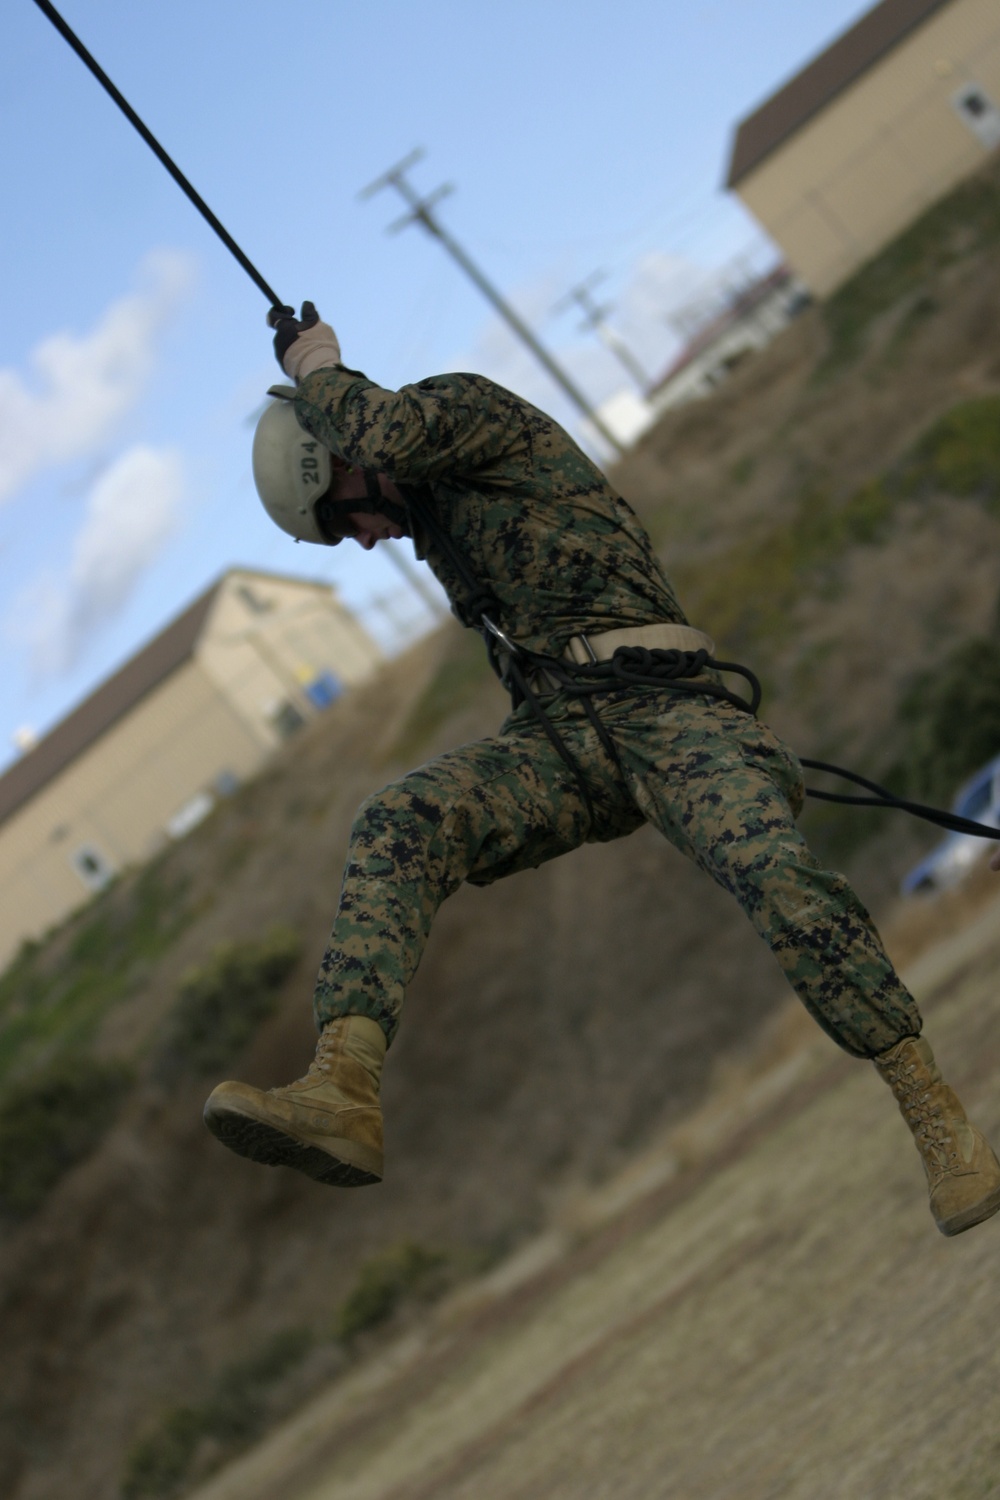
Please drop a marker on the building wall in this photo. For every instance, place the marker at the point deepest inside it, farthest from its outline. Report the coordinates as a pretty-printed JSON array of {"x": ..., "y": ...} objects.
[
  {"x": 896, "y": 140},
  {"x": 272, "y": 653},
  {"x": 116, "y": 800},
  {"x": 269, "y": 641}
]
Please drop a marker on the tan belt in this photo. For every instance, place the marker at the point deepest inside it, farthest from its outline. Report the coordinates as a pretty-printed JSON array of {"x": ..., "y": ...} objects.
[{"x": 586, "y": 649}]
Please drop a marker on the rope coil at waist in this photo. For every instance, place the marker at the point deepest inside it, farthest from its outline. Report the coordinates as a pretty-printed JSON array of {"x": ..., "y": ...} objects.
[
  {"x": 616, "y": 659},
  {"x": 646, "y": 656}
]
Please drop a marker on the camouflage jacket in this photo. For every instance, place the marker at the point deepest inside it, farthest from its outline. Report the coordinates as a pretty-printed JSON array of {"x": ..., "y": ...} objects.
[{"x": 535, "y": 519}]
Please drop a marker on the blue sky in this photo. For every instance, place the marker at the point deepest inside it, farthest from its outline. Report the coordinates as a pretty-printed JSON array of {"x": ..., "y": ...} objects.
[{"x": 578, "y": 135}]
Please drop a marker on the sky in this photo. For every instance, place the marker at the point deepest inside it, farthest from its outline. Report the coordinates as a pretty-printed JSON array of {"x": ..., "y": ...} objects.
[{"x": 579, "y": 136}]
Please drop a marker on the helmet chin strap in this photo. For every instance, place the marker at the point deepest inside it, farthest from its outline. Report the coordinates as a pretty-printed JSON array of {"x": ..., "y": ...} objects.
[
  {"x": 381, "y": 503},
  {"x": 329, "y": 512}
]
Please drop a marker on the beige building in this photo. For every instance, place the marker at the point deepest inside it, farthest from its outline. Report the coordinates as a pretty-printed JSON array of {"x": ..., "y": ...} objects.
[
  {"x": 146, "y": 756},
  {"x": 878, "y": 127}
]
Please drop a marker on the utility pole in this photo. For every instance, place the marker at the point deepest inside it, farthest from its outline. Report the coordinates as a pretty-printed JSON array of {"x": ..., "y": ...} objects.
[
  {"x": 421, "y": 211},
  {"x": 596, "y": 319}
]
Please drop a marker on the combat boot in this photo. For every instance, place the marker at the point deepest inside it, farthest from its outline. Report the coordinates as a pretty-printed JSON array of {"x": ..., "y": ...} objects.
[
  {"x": 963, "y": 1175},
  {"x": 327, "y": 1124}
]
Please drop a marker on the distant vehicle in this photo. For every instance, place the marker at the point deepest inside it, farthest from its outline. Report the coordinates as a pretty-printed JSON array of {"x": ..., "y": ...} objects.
[{"x": 955, "y": 856}]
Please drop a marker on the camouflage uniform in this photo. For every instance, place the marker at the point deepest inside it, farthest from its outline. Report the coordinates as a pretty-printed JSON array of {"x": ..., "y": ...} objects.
[{"x": 562, "y": 553}]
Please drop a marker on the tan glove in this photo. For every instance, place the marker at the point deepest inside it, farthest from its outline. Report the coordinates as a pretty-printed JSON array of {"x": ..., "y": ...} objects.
[{"x": 304, "y": 344}]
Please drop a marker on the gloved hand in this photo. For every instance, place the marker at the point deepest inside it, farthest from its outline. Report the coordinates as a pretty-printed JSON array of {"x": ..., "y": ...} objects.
[{"x": 302, "y": 345}]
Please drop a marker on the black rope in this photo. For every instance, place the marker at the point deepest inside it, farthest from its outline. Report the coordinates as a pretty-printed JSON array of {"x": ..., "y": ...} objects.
[
  {"x": 884, "y": 798},
  {"x": 154, "y": 145},
  {"x": 638, "y": 666},
  {"x": 527, "y": 696}
]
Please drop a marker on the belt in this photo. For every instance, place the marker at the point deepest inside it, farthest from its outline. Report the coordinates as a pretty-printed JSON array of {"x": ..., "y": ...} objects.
[{"x": 583, "y": 650}]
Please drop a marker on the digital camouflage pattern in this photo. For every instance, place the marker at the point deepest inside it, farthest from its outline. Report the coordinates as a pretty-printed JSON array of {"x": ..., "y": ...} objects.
[
  {"x": 535, "y": 519},
  {"x": 563, "y": 553},
  {"x": 717, "y": 783}
]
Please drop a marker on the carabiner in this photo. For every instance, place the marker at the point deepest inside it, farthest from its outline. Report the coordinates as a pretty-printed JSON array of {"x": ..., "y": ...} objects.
[{"x": 497, "y": 633}]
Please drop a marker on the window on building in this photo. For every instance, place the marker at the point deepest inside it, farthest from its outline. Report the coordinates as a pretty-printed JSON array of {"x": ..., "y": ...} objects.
[
  {"x": 93, "y": 867},
  {"x": 323, "y": 690},
  {"x": 286, "y": 719},
  {"x": 190, "y": 815},
  {"x": 977, "y": 110}
]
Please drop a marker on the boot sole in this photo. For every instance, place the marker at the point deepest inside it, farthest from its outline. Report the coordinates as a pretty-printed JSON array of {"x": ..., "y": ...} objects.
[
  {"x": 970, "y": 1217},
  {"x": 338, "y": 1163}
]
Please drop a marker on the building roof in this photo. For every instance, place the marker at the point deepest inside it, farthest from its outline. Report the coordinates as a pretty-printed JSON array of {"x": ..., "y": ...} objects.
[
  {"x": 110, "y": 702},
  {"x": 821, "y": 80}
]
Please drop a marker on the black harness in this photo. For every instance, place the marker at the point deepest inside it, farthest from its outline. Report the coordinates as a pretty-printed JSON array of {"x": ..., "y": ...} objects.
[{"x": 634, "y": 667}]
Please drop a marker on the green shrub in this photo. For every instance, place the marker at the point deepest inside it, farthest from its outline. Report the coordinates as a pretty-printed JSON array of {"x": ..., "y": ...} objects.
[
  {"x": 234, "y": 1413},
  {"x": 748, "y": 594},
  {"x": 959, "y": 454},
  {"x": 951, "y": 718},
  {"x": 56, "y": 993},
  {"x": 384, "y": 1282},
  {"x": 743, "y": 470},
  {"x": 52, "y": 1119},
  {"x": 222, "y": 1003},
  {"x": 158, "y": 1464}
]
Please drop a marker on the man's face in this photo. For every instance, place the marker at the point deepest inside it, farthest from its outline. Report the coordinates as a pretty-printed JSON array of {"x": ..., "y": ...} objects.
[
  {"x": 369, "y": 526},
  {"x": 372, "y": 526}
]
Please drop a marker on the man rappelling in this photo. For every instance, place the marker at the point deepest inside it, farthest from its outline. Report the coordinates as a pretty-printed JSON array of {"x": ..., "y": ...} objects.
[{"x": 620, "y": 716}]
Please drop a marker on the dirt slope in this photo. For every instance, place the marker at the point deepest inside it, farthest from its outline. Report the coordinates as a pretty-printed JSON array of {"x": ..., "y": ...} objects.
[
  {"x": 777, "y": 1317},
  {"x": 562, "y": 1018}
]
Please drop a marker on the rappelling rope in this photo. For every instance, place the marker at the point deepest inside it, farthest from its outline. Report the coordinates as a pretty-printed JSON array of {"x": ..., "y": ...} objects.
[
  {"x": 91, "y": 62},
  {"x": 884, "y": 798}
]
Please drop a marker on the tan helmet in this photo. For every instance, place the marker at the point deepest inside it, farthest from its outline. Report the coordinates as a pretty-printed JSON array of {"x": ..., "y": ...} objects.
[{"x": 291, "y": 469}]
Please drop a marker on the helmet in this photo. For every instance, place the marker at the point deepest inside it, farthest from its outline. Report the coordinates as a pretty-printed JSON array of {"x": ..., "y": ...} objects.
[
  {"x": 295, "y": 475},
  {"x": 291, "y": 470}
]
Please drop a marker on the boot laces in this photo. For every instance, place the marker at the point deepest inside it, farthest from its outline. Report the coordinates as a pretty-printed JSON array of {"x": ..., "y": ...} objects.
[
  {"x": 321, "y": 1065},
  {"x": 936, "y": 1139}
]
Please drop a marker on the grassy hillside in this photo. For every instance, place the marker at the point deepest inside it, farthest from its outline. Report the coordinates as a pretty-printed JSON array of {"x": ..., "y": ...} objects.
[{"x": 832, "y": 516}]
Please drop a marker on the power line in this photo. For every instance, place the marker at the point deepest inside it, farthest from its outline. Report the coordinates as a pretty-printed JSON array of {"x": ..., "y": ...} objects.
[
  {"x": 421, "y": 211},
  {"x": 595, "y": 319}
]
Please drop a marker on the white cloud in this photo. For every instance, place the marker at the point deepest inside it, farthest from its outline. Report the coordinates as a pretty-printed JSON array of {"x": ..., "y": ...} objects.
[
  {"x": 132, "y": 511},
  {"x": 80, "y": 386}
]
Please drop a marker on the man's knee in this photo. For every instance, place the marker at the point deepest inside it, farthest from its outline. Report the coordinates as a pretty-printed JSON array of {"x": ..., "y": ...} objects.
[
  {"x": 394, "y": 825},
  {"x": 390, "y": 824}
]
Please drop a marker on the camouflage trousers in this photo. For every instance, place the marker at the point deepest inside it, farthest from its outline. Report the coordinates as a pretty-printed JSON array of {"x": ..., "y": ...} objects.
[{"x": 716, "y": 782}]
